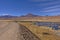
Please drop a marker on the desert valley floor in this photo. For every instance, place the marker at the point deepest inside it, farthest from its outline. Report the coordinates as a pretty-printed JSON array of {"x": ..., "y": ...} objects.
[{"x": 24, "y": 30}]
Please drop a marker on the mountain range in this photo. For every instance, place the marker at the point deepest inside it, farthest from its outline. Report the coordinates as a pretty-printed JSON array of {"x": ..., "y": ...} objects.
[{"x": 29, "y": 16}]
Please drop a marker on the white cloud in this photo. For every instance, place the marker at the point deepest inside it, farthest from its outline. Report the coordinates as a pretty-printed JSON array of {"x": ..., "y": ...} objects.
[
  {"x": 48, "y": 3},
  {"x": 51, "y": 10},
  {"x": 52, "y": 7},
  {"x": 4, "y": 14}
]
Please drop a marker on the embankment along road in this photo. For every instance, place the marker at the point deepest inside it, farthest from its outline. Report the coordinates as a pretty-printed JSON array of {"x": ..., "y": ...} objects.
[{"x": 13, "y": 31}]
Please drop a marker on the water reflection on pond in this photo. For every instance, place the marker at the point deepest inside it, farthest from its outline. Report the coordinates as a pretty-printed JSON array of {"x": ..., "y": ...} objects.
[{"x": 54, "y": 25}]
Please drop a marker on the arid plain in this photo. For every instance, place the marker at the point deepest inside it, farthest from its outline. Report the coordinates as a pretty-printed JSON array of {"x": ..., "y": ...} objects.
[{"x": 24, "y": 28}]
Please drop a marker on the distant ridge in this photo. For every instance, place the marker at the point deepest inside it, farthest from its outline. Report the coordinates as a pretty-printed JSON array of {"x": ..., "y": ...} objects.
[
  {"x": 7, "y": 16},
  {"x": 30, "y": 15}
]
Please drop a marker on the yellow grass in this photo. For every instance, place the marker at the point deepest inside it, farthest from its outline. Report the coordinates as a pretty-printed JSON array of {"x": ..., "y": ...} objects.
[{"x": 39, "y": 31}]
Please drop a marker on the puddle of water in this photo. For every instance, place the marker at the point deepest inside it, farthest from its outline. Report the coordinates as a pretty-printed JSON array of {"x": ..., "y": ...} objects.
[{"x": 54, "y": 26}]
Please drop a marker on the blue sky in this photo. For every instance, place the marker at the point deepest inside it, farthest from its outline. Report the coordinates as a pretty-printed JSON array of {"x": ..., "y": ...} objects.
[{"x": 22, "y": 7}]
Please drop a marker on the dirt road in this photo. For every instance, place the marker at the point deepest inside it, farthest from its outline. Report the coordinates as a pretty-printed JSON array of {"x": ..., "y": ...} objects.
[
  {"x": 9, "y": 31},
  {"x": 13, "y": 31}
]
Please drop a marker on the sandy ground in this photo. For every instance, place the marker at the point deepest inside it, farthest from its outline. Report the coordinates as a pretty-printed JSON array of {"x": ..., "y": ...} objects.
[
  {"x": 9, "y": 31},
  {"x": 14, "y": 31}
]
